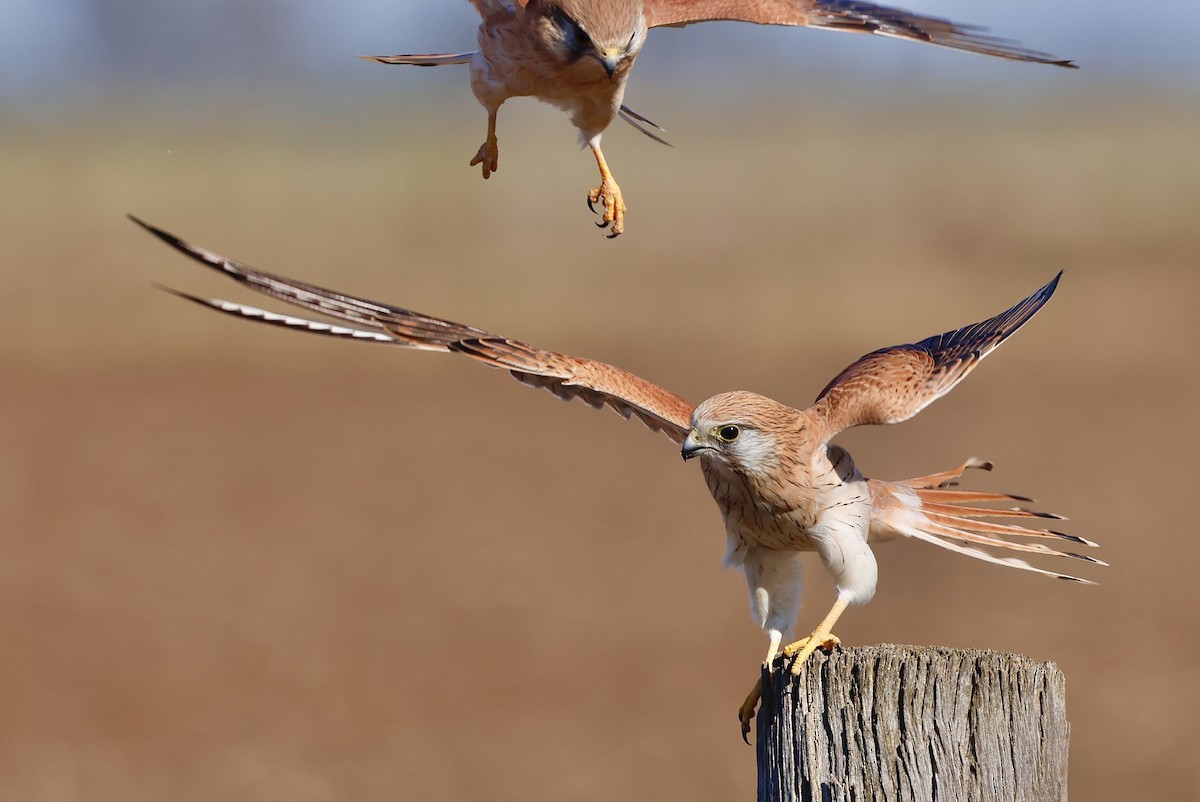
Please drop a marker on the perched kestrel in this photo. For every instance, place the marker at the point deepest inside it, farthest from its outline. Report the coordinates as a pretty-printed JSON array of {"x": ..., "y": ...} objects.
[
  {"x": 577, "y": 55},
  {"x": 780, "y": 484}
]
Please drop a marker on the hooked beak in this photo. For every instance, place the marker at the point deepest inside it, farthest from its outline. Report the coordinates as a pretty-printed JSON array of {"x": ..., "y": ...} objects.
[
  {"x": 610, "y": 59},
  {"x": 692, "y": 446}
]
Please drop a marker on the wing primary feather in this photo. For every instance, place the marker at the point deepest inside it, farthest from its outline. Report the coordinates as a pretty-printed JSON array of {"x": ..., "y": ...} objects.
[
  {"x": 257, "y": 315},
  {"x": 895, "y": 383},
  {"x": 595, "y": 383},
  {"x": 859, "y": 17},
  {"x": 851, "y": 16},
  {"x": 406, "y": 323}
]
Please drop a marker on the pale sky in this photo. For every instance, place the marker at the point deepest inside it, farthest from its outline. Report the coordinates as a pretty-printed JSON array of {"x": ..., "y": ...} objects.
[{"x": 54, "y": 51}]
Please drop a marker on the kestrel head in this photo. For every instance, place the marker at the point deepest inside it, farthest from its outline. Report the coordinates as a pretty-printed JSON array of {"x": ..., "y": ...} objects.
[
  {"x": 746, "y": 431},
  {"x": 610, "y": 31}
]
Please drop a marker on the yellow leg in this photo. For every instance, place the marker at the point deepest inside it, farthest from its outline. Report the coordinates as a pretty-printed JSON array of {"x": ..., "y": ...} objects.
[
  {"x": 489, "y": 151},
  {"x": 822, "y": 636},
  {"x": 750, "y": 705},
  {"x": 608, "y": 194}
]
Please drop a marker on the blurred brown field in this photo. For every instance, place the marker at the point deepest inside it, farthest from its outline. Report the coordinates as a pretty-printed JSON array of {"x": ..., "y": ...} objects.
[{"x": 238, "y": 563}]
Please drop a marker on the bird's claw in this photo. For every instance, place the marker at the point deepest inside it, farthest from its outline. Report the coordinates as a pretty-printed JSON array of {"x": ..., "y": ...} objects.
[
  {"x": 489, "y": 157},
  {"x": 608, "y": 195},
  {"x": 803, "y": 649},
  {"x": 602, "y": 223},
  {"x": 747, "y": 710},
  {"x": 800, "y": 651}
]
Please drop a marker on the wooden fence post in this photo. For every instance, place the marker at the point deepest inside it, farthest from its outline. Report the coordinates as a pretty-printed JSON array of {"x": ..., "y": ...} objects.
[{"x": 914, "y": 724}]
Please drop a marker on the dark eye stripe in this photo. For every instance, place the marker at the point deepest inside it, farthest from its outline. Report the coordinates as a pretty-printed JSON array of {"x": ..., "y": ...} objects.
[{"x": 578, "y": 35}]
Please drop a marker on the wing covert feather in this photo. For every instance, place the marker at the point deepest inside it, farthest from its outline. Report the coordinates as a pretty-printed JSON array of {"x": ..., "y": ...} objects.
[
  {"x": 893, "y": 384},
  {"x": 595, "y": 383}
]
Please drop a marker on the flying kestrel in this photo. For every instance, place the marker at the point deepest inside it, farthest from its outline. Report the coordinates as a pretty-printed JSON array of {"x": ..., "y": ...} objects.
[
  {"x": 577, "y": 55},
  {"x": 780, "y": 484}
]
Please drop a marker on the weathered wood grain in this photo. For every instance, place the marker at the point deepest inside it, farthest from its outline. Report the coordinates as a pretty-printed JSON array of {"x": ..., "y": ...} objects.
[{"x": 917, "y": 724}]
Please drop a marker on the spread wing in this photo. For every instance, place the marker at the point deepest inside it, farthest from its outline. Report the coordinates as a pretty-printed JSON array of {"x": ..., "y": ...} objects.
[
  {"x": 893, "y": 384},
  {"x": 845, "y": 15},
  {"x": 595, "y": 383}
]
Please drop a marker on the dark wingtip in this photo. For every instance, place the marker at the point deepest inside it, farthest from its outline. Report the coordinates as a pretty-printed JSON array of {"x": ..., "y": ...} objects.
[
  {"x": 165, "y": 236},
  {"x": 1053, "y": 283},
  {"x": 143, "y": 223},
  {"x": 196, "y": 299},
  {"x": 173, "y": 291},
  {"x": 1074, "y": 538}
]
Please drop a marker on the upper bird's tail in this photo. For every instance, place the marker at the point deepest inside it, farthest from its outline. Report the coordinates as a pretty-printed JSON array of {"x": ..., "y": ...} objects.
[
  {"x": 425, "y": 59},
  {"x": 643, "y": 125},
  {"x": 931, "y": 509}
]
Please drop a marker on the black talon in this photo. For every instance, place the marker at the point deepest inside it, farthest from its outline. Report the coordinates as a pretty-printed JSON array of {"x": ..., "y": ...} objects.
[
  {"x": 604, "y": 224},
  {"x": 613, "y": 235},
  {"x": 589, "y": 203}
]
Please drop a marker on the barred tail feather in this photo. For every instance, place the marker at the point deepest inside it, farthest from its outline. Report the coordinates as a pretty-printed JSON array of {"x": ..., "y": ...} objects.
[
  {"x": 965, "y": 536},
  {"x": 944, "y": 478},
  {"x": 958, "y": 496},
  {"x": 964, "y": 522},
  {"x": 980, "y": 554},
  {"x": 927, "y": 508},
  {"x": 964, "y": 511}
]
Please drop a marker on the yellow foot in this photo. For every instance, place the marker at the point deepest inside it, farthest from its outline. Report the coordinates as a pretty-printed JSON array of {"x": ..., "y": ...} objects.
[
  {"x": 488, "y": 156},
  {"x": 803, "y": 648},
  {"x": 748, "y": 708},
  {"x": 608, "y": 194}
]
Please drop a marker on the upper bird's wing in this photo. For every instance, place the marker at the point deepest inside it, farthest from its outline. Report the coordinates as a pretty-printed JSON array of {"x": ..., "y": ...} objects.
[
  {"x": 845, "y": 15},
  {"x": 595, "y": 383},
  {"x": 893, "y": 384},
  {"x": 425, "y": 59}
]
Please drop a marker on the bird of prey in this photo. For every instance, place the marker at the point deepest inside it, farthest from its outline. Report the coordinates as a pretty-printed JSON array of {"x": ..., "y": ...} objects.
[
  {"x": 780, "y": 484},
  {"x": 577, "y": 55}
]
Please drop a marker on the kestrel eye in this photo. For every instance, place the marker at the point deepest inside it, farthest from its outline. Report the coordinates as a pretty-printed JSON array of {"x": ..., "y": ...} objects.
[
  {"x": 581, "y": 37},
  {"x": 729, "y": 433}
]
